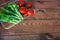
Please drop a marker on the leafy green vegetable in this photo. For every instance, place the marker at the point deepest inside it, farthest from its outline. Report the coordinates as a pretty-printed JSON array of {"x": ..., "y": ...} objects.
[{"x": 10, "y": 14}]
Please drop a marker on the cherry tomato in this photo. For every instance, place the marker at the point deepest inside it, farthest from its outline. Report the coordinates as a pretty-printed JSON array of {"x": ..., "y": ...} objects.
[
  {"x": 30, "y": 12},
  {"x": 20, "y": 3},
  {"x": 22, "y": 11},
  {"x": 28, "y": 5}
]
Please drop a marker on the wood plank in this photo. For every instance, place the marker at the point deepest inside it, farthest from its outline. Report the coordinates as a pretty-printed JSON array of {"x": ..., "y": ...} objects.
[
  {"x": 25, "y": 37},
  {"x": 51, "y": 13},
  {"x": 46, "y": 16},
  {"x": 48, "y": 0},
  {"x": 40, "y": 22},
  {"x": 34, "y": 27},
  {"x": 21, "y": 37},
  {"x": 47, "y": 4},
  {"x": 39, "y": 26}
]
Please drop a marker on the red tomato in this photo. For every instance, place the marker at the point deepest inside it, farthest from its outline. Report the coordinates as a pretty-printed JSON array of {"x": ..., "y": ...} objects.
[
  {"x": 28, "y": 5},
  {"x": 30, "y": 12},
  {"x": 20, "y": 3},
  {"x": 22, "y": 11}
]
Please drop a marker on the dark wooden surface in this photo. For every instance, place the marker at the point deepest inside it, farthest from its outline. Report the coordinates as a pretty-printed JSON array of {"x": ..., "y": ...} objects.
[{"x": 33, "y": 27}]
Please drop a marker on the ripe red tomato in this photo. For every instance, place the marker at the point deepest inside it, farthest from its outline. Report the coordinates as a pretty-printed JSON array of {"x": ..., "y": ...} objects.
[
  {"x": 28, "y": 5},
  {"x": 20, "y": 3},
  {"x": 30, "y": 12},
  {"x": 22, "y": 11}
]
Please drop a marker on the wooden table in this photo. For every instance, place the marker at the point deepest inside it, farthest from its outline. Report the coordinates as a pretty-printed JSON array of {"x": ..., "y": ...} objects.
[{"x": 33, "y": 27}]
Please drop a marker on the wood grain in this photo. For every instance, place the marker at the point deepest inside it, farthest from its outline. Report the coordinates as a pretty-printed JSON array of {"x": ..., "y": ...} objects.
[
  {"x": 32, "y": 27},
  {"x": 48, "y": 0},
  {"x": 48, "y": 15},
  {"x": 21, "y": 37},
  {"x": 35, "y": 26},
  {"x": 47, "y": 4}
]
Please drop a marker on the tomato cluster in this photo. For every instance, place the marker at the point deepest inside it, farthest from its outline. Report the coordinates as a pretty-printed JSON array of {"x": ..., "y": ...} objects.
[{"x": 25, "y": 8}]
